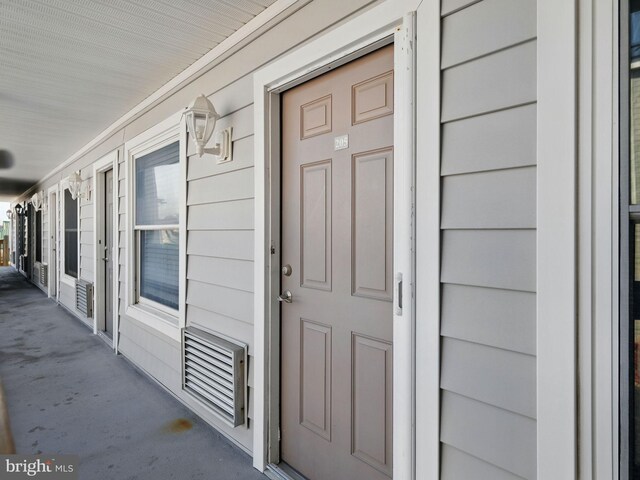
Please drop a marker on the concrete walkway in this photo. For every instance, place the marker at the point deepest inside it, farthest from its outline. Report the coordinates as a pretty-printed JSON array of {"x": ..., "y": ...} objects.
[{"x": 68, "y": 393}]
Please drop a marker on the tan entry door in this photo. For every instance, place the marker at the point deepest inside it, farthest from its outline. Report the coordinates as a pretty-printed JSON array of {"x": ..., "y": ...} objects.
[
  {"x": 337, "y": 234},
  {"x": 108, "y": 253}
]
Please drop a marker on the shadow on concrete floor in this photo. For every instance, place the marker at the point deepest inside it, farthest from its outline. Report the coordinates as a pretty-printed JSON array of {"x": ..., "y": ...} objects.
[{"x": 68, "y": 393}]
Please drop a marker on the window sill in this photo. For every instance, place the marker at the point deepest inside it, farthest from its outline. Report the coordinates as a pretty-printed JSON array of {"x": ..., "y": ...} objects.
[
  {"x": 160, "y": 321},
  {"x": 68, "y": 280}
]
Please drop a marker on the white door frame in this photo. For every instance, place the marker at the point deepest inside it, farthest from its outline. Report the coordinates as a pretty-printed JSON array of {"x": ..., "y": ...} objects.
[
  {"x": 54, "y": 221},
  {"x": 108, "y": 162},
  {"x": 391, "y": 21}
]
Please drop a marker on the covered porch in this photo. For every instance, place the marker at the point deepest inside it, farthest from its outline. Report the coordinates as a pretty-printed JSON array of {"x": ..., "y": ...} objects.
[{"x": 67, "y": 393}]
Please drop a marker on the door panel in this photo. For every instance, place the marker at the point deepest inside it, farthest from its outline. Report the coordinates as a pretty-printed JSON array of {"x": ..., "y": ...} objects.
[
  {"x": 372, "y": 393},
  {"x": 315, "y": 225},
  {"x": 53, "y": 232},
  {"x": 108, "y": 253},
  {"x": 372, "y": 212},
  {"x": 337, "y": 236},
  {"x": 315, "y": 377}
]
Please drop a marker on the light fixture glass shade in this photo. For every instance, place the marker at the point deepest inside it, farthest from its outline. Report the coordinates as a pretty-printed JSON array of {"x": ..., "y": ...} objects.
[
  {"x": 75, "y": 183},
  {"x": 18, "y": 209},
  {"x": 9, "y": 213},
  {"x": 36, "y": 200},
  {"x": 201, "y": 120}
]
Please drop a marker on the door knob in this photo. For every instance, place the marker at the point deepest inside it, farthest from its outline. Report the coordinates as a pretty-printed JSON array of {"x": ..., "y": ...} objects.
[{"x": 286, "y": 297}]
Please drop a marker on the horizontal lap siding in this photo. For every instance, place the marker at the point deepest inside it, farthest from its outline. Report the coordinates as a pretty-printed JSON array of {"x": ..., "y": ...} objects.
[
  {"x": 450, "y": 6},
  {"x": 459, "y": 465},
  {"x": 220, "y": 212},
  {"x": 503, "y": 139},
  {"x": 232, "y": 273},
  {"x": 67, "y": 297},
  {"x": 219, "y": 259},
  {"x": 500, "y": 318},
  {"x": 236, "y": 244},
  {"x": 488, "y": 221}
]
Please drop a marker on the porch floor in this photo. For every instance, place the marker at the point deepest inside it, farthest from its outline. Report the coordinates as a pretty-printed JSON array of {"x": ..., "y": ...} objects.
[{"x": 67, "y": 393}]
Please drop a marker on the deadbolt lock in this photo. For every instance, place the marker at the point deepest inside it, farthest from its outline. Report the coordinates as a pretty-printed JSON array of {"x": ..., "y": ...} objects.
[{"x": 286, "y": 270}]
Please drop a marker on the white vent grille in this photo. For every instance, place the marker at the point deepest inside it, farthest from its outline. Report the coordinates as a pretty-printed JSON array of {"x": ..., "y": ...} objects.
[
  {"x": 37, "y": 271},
  {"x": 84, "y": 297},
  {"x": 214, "y": 372},
  {"x": 44, "y": 274}
]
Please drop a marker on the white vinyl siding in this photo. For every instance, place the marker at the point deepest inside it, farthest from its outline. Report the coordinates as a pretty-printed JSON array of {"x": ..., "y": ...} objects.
[
  {"x": 86, "y": 231},
  {"x": 488, "y": 222}
]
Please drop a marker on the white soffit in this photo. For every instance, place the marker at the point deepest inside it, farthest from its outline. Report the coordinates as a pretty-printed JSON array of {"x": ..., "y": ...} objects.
[{"x": 69, "y": 68}]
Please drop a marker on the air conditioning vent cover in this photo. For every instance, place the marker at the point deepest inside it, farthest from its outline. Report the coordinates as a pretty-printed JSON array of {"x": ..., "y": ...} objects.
[
  {"x": 37, "y": 271},
  {"x": 44, "y": 274},
  {"x": 214, "y": 373},
  {"x": 84, "y": 297}
]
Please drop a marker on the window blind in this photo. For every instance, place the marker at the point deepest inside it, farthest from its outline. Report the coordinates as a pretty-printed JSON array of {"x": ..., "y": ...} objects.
[
  {"x": 157, "y": 180},
  {"x": 70, "y": 235}
]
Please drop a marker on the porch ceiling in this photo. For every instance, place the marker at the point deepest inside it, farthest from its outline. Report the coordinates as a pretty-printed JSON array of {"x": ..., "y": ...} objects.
[{"x": 70, "y": 68}]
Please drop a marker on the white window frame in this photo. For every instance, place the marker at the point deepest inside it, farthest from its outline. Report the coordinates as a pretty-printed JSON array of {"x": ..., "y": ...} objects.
[
  {"x": 35, "y": 234},
  {"x": 64, "y": 278},
  {"x": 159, "y": 317},
  {"x": 351, "y": 40}
]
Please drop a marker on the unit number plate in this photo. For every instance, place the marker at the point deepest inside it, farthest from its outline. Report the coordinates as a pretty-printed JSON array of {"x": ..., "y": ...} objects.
[{"x": 341, "y": 142}]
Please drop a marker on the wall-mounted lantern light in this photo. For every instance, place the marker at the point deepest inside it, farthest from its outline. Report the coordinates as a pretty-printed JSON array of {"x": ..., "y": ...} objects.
[
  {"x": 18, "y": 209},
  {"x": 9, "y": 214},
  {"x": 75, "y": 184},
  {"x": 201, "y": 120},
  {"x": 86, "y": 190},
  {"x": 36, "y": 200}
]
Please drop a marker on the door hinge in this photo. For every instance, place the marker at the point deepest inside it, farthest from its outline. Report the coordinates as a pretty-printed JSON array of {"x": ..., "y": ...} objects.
[{"x": 273, "y": 250}]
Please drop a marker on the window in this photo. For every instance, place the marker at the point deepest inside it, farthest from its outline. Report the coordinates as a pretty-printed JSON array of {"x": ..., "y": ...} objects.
[
  {"x": 25, "y": 231},
  {"x": 70, "y": 235},
  {"x": 630, "y": 245},
  {"x": 39, "y": 236},
  {"x": 156, "y": 227}
]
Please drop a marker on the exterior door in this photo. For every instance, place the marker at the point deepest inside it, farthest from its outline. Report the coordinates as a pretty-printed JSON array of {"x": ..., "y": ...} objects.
[
  {"x": 30, "y": 240},
  {"x": 53, "y": 246},
  {"x": 108, "y": 253},
  {"x": 337, "y": 239}
]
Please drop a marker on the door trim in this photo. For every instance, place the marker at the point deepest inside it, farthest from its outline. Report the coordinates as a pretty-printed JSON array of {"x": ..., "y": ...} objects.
[
  {"x": 376, "y": 27},
  {"x": 108, "y": 162},
  {"x": 52, "y": 281}
]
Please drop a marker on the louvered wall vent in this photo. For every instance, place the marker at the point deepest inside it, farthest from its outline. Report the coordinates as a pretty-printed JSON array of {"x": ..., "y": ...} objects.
[
  {"x": 23, "y": 263},
  {"x": 37, "y": 271},
  {"x": 44, "y": 274},
  {"x": 84, "y": 297},
  {"x": 214, "y": 372}
]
